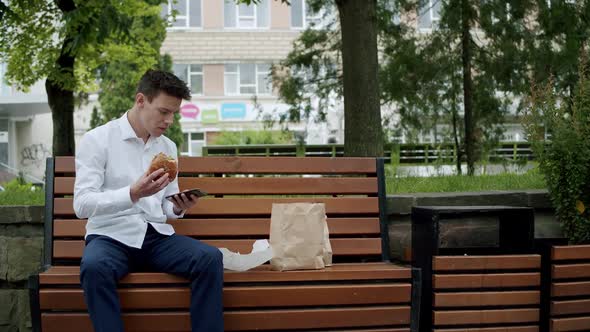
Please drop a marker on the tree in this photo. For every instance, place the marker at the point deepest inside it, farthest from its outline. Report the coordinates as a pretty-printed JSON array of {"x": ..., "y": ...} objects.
[
  {"x": 126, "y": 62},
  {"x": 62, "y": 41},
  {"x": 360, "y": 85}
]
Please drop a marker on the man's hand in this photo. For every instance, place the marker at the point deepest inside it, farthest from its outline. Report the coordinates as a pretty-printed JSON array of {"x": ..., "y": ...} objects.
[
  {"x": 147, "y": 184},
  {"x": 182, "y": 202}
]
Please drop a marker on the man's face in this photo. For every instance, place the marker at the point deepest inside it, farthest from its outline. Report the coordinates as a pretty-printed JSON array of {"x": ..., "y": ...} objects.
[{"x": 156, "y": 116}]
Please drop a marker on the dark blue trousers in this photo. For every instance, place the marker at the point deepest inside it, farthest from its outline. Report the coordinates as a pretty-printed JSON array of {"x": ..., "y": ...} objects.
[{"x": 106, "y": 261}]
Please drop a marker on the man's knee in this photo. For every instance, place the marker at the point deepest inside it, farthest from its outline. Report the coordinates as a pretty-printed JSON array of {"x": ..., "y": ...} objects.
[
  {"x": 210, "y": 258},
  {"x": 96, "y": 270}
]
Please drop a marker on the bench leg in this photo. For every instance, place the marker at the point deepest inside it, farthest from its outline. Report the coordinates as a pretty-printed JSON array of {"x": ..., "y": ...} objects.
[
  {"x": 416, "y": 296},
  {"x": 35, "y": 307}
]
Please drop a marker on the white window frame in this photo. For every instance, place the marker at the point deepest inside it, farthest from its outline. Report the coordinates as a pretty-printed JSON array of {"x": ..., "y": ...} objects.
[
  {"x": 255, "y": 26},
  {"x": 187, "y": 137},
  {"x": 189, "y": 74},
  {"x": 186, "y": 18},
  {"x": 319, "y": 16},
  {"x": 195, "y": 73},
  {"x": 433, "y": 19},
  {"x": 239, "y": 85}
]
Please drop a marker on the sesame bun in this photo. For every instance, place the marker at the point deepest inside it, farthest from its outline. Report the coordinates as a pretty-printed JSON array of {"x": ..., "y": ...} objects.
[{"x": 168, "y": 163}]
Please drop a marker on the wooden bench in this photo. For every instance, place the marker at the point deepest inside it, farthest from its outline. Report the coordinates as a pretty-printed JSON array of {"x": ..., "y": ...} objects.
[
  {"x": 363, "y": 291},
  {"x": 486, "y": 293},
  {"x": 495, "y": 287},
  {"x": 570, "y": 288}
]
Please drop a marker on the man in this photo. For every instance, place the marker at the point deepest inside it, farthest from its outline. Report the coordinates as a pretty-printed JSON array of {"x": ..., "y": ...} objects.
[{"x": 127, "y": 210}]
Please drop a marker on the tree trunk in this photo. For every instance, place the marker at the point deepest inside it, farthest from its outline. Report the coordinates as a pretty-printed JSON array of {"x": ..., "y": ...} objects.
[
  {"x": 459, "y": 154},
  {"x": 60, "y": 99},
  {"x": 363, "y": 133},
  {"x": 470, "y": 139}
]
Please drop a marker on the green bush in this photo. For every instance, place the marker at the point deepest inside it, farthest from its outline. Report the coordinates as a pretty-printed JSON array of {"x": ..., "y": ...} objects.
[
  {"x": 564, "y": 160},
  {"x": 20, "y": 192},
  {"x": 253, "y": 137}
]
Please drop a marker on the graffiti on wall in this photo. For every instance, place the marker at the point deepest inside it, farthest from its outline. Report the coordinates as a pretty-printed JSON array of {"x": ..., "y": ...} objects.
[{"x": 34, "y": 155}]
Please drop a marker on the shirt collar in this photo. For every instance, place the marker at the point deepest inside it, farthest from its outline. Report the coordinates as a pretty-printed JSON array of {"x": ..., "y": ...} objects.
[{"x": 127, "y": 131}]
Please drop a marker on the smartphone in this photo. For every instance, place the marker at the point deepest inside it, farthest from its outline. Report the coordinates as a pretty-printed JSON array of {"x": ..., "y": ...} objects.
[{"x": 197, "y": 192}]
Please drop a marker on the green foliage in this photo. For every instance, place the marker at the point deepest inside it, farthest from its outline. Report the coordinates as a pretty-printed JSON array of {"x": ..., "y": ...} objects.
[
  {"x": 564, "y": 160},
  {"x": 20, "y": 192},
  {"x": 253, "y": 137},
  {"x": 458, "y": 183}
]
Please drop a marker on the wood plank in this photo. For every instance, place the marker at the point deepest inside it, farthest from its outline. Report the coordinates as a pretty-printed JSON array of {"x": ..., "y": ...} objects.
[
  {"x": 70, "y": 275},
  {"x": 277, "y": 165},
  {"x": 482, "y": 263},
  {"x": 493, "y": 329},
  {"x": 73, "y": 249},
  {"x": 570, "y": 288},
  {"x": 570, "y": 324},
  {"x": 466, "y": 317},
  {"x": 465, "y": 281},
  {"x": 476, "y": 299},
  {"x": 570, "y": 271},
  {"x": 260, "y": 185},
  {"x": 247, "y": 320},
  {"x": 254, "y": 206},
  {"x": 258, "y": 165},
  {"x": 65, "y": 165},
  {"x": 570, "y": 307},
  {"x": 560, "y": 253},
  {"x": 240, "y": 297},
  {"x": 230, "y": 227}
]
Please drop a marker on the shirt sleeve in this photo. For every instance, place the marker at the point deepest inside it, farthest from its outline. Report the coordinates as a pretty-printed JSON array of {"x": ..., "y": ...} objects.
[
  {"x": 89, "y": 198},
  {"x": 171, "y": 188}
]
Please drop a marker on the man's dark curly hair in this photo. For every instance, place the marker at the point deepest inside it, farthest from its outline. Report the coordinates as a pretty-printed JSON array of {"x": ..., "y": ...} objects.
[{"x": 155, "y": 81}]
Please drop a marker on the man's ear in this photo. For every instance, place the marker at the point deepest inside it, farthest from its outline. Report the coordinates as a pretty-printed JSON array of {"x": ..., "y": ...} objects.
[{"x": 140, "y": 99}]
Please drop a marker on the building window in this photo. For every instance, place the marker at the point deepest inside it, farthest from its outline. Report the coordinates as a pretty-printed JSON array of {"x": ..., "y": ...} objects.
[
  {"x": 192, "y": 75},
  {"x": 302, "y": 17},
  {"x": 188, "y": 13},
  {"x": 193, "y": 144},
  {"x": 246, "y": 16},
  {"x": 429, "y": 14},
  {"x": 247, "y": 79}
]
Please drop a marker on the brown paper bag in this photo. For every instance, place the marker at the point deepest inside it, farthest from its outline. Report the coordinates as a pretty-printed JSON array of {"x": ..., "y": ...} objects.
[{"x": 299, "y": 237}]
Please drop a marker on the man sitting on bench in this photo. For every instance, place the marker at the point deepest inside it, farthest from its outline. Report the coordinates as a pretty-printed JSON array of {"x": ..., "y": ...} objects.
[{"x": 127, "y": 210}]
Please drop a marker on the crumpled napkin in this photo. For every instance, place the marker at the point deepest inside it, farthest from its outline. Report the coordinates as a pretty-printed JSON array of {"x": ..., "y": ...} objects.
[{"x": 261, "y": 253}]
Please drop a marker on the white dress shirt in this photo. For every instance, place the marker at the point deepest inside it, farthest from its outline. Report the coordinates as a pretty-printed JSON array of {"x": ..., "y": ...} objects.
[{"x": 109, "y": 159}]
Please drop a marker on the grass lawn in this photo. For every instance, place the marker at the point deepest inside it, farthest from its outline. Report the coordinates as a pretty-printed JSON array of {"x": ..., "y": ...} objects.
[{"x": 454, "y": 183}]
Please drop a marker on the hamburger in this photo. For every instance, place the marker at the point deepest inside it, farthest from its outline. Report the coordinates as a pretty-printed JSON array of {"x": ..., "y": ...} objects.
[{"x": 161, "y": 160}]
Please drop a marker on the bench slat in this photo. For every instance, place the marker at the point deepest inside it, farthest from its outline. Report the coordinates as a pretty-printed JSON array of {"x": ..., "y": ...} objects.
[
  {"x": 473, "y": 299},
  {"x": 453, "y": 281},
  {"x": 559, "y": 253},
  {"x": 254, "y": 206},
  {"x": 494, "y": 329},
  {"x": 259, "y": 186},
  {"x": 570, "y": 324},
  {"x": 240, "y": 297},
  {"x": 476, "y": 263},
  {"x": 486, "y": 316},
  {"x": 570, "y": 271},
  {"x": 570, "y": 288},
  {"x": 230, "y": 227},
  {"x": 70, "y": 275},
  {"x": 570, "y": 307},
  {"x": 66, "y": 249},
  {"x": 259, "y": 165},
  {"x": 267, "y": 320}
]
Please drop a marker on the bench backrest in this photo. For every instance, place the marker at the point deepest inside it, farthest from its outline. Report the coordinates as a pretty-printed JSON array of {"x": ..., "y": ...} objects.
[
  {"x": 237, "y": 212},
  {"x": 570, "y": 288}
]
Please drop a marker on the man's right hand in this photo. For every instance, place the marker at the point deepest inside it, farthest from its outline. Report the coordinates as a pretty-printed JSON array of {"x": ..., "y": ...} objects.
[{"x": 149, "y": 184}]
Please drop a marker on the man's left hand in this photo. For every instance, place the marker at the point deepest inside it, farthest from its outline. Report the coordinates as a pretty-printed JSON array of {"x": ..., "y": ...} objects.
[{"x": 182, "y": 202}]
